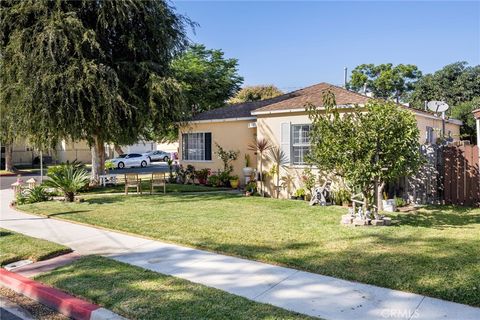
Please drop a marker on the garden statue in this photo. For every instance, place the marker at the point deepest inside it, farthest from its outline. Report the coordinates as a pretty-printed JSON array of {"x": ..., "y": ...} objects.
[{"x": 321, "y": 194}]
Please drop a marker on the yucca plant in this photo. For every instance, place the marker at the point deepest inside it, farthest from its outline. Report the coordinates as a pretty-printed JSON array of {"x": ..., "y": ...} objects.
[
  {"x": 260, "y": 146},
  {"x": 279, "y": 159},
  {"x": 68, "y": 179}
]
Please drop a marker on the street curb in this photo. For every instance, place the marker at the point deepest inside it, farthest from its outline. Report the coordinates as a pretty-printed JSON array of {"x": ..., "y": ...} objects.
[{"x": 66, "y": 304}]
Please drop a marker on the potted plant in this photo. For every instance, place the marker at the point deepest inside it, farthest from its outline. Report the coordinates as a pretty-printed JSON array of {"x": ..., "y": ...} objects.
[
  {"x": 234, "y": 181},
  {"x": 300, "y": 194},
  {"x": 250, "y": 188},
  {"x": 247, "y": 171}
]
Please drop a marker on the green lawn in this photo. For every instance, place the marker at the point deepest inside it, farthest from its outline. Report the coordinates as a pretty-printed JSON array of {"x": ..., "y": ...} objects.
[
  {"x": 15, "y": 247},
  {"x": 434, "y": 251},
  {"x": 171, "y": 188},
  {"x": 140, "y": 294}
]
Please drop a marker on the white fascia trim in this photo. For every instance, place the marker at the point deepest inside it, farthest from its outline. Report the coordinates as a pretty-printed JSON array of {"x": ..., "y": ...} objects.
[
  {"x": 431, "y": 116},
  {"x": 223, "y": 120},
  {"x": 297, "y": 110},
  {"x": 428, "y": 116}
]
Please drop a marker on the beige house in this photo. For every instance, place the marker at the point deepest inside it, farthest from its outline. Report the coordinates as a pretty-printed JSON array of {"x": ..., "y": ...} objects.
[{"x": 284, "y": 122}]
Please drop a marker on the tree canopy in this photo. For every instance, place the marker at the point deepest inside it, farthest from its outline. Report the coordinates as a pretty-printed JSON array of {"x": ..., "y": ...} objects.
[
  {"x": 208, "y": 78},
  {"x": 385, "y": 80},
  {"x": 463, "y": 112},
  {"x": 455, "y": 83},
  {"x": 369, "y": 146},
  {"x": 94, "y": 70},
  {"x": 256, "y": 93}
]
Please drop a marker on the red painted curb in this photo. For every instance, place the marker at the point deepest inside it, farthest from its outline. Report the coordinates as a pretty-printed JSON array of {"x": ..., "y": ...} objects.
[{"x": 64, "y": 303}]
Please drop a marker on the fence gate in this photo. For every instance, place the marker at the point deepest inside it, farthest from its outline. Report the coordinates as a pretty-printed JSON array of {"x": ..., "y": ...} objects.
[{"x": 461, "y": 174}]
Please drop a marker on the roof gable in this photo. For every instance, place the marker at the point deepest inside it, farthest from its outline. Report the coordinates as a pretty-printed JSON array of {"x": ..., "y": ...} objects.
[{"x": 314, "y": 94}]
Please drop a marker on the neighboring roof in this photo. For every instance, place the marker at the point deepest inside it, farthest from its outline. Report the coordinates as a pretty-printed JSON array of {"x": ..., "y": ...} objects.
[
  {"x": 234, "y": 111},
  {"x": 314, "y": 94},
  {"x": 476, "y": 113}
]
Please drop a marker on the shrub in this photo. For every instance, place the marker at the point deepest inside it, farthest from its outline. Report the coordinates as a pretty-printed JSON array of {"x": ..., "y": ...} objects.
[
  {"x": 251, "y": 187},
  {"x": 300, "y": 192},
  {"x": 308, "y": 179},
  {"x": 340, "y": 196},
  {"x": 35, "y": 194},
  {"x": 224, "y": 178},
  {"x": 399, "y": 202},
  {"x": 171, "y": 179},
  {"x": 227, "y": 157},
  {"x": 213, "y": 180},
  {"x": 202, "y": 175},
  {"x": 69, "y": 179}
]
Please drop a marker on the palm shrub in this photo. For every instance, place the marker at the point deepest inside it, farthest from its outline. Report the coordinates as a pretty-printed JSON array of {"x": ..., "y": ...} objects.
[
  {"x": 32, "y": 195},
  {"x": 279, "y": 159},
  {"x": 260, "y": 146},
  {"x": 68, "y": 179}
]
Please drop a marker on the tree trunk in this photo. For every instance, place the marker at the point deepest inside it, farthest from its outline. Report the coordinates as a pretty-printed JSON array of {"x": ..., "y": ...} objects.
[
  {"x": 118, "y": 149},
  {"x": 98, "y": 160},
  {"x": 365, "y": 199},
  {"x": 9, "y": 156},
  {"x": 379, "y": 186},
  {"x": 69, "y": 197}
]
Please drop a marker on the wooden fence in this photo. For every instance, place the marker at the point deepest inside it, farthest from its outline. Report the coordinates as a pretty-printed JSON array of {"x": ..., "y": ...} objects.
[{"x": 461, "y": 174}]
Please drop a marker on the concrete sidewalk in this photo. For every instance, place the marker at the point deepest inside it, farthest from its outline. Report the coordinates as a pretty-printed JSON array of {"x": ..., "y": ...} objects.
[{"x": 299, "y": 291}]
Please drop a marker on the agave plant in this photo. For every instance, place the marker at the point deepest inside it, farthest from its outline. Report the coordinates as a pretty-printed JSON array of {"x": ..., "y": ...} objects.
[
  {"x": 68, "y": 179},
  {"x": 260, "y": 146}
]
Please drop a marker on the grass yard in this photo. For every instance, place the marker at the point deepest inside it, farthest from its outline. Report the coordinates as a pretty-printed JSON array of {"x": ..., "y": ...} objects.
[
  {"x": 433, "y": 251},
  {"x": 15, "y": 247},
  {"x": 171, "y": 188},
  {"x": 140, "y": 294}
]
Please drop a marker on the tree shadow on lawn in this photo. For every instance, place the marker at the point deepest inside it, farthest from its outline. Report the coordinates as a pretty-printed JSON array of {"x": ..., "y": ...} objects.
[
  {"x": 167, "y": 198},
  {"x": 439, "y": 218},
  {"x": 66, "y": 213},
  {"x": 439, "y": 267},
  {"x": 141, "y": 294}
]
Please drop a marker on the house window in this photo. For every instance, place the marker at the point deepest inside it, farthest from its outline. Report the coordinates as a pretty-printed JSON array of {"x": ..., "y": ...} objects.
[
  {"x": 197, "y": 146},
  {"x": 300, "y": 143}
]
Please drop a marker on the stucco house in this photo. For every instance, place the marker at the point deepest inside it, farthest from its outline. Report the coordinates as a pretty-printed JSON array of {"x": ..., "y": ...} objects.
[{"x": 281, "y": 120}]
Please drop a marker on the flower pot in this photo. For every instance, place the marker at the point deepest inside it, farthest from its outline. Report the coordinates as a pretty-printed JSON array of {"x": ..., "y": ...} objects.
[
  {"x": 247, "y": 171},
  {"x": 234, "y": 184}
]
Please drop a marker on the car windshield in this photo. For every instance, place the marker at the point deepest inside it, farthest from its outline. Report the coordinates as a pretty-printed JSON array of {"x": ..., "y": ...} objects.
[{"x": 121, "y": 156}]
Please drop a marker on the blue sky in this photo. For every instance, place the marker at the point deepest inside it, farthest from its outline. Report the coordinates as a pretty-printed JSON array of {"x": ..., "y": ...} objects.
[{"x": 295, "y": 44}]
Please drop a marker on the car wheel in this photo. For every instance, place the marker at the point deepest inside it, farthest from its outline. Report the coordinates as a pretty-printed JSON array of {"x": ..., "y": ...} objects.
[
  {"x": 165, "y": 158},
  {"x": 143, "y": 164},
  {"x": 121, "y": 165}
]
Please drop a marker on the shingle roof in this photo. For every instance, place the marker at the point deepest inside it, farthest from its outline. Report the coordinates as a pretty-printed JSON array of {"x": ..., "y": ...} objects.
[
  {"x": 293, "y": 100},
  {"x": 240, "y": 110},
  {"x": 314, "y": 95}
]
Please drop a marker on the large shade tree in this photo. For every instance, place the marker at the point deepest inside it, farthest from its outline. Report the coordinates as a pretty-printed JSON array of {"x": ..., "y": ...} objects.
[
  {"x": 367, "y": 147},
  {"x": 385, "y": 80},
  {"x": 209, "y": 79},
  {"x": 455, "y": 83},
  {"x": 94, "y": 70}
]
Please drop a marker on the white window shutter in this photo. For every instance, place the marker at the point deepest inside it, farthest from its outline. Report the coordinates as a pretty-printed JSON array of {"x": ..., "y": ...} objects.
[{"x": 285, "y": 140}]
